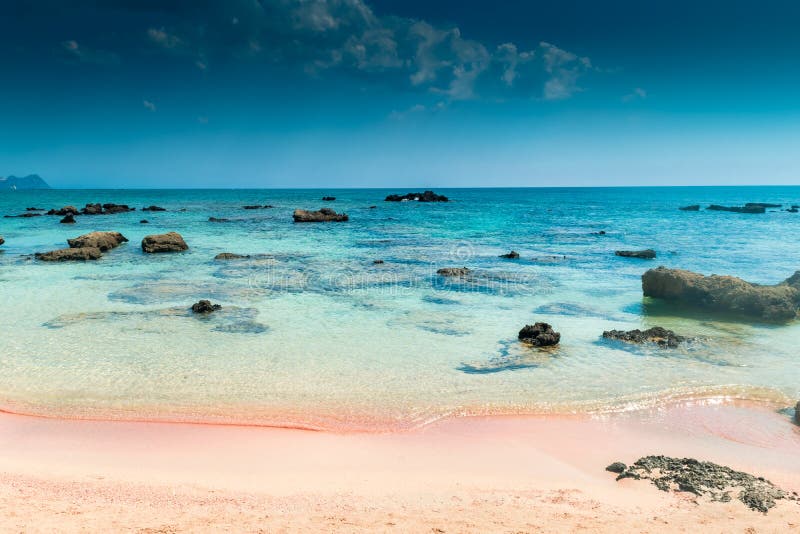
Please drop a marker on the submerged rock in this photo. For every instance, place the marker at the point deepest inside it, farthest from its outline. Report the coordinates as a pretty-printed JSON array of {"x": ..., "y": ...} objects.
[
  {"x": 377, "y": 262},
  {"x": 258, "y": 207},
  {"x": 26, "y": 215},
  {"x": 647, "y": 254},
  {"x": 322, "y": 215},
  {"x": 454, "y": 271},
  {"x": 2, "y": 240},
  {"x": 34, "y": 209},
  {"x": 218, "y": 219},
  {"x": 737, "y": 209},
  {"x": 69, "y": 219},
  {"x": 718, "y": 482},
  {"x": 513, "y": 255},
  {"x": 427, "y": 196},
  {"x": 144, "y": 221},
  {"x": 729, "y": 294},
  {"x": 230, "y": 256},
  {"x": 169, "y": 242},
  {"x": 154, "y": 208},
  {"x": 329, "y": 199},
  {"x": 658, "y": 335},
  {"x": 101, "y": 240},
  {"x": 693, "y": 207},
  {"x": 205, "y": 306},
  {"x": 762, "y": 205},
  {"x": 70, "y": 254},
  {"x": 539, "y": 335}
]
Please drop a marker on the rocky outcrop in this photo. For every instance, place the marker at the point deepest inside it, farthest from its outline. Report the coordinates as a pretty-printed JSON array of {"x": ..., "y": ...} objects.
[
  {"x": 69, "y": 219},
  {"x": 513, "y": 255},
  {"x": 230, "y": 256},
  {"x": 693, "y": 207},
  {"x": 70, "y": 254},
  {"x": 100, "y": 240},
  {"x": 328, "y": 199},
  {"x": 427, "y": 196},
  {"x": 154, "y": 208},
  {"x": 454, "y": 271},
  {"x": 66, "y": 210},
  {"x": 647, "y": 254},
  {"x": 776, "y": 303},
  {"x": 539, "y": 335},
  {"x": 169, "y": 242},
  {"x": 323, "y": 215},
  {"x": 658, "y": 335},
  {"x": 105, "y": 209},
  {"x": 205, "y": 306},
  {"x": 737, "y": 209}
]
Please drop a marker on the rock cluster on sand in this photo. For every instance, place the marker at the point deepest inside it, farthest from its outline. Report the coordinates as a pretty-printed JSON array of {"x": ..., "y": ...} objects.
[
  {"x": 205, "y": 306},
  {"x": 101, "y": 240},
  {"x": 658, "y": 335},
  {"x": 154, "y": 208},
  {"x": 323, "y": 215},
  {"x": 86, "y": 247},
  {"x": 427, "y": 196},
  {"x": 727, "y": 294},
  {"x": 647, "y": 254},
  {"x": 693, "y": 207},
  {"x": 737, "y": 209},
  {"x": 539, "y": 335},
  {"x": 169, "y": 242},
  {"x": 454, "y": 271},
  {"x": 230, "y": 256},
  {"x": 718, "y": 482},
  {"x": 513, "y": 255}
]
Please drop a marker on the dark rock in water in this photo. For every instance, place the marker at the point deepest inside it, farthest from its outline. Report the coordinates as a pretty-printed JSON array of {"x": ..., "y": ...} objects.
[
  {"x": 762, "y": 205},
  {"x": 728, "y": 294},
  {"x": 2, "y": 240},
  {"x": 70, "y": 254},
  {"x": 737, "y": 209},
  {"x": 169, "y": 242},
  {"x": 216, "y": 219},
  {"x": 323, "y": 215},
  {"x": 205, "y": 306},
  {"x": 258, "y": 207},
  {"x": 454, "y": 271},
  {"x": 66, "y": 210},
  {"x": 539, "y": 335},
  {"x": 105, "y": 209},
  {"x": 230, "y": 256},
  {"x": 69, "y": 219},
  {"x": 34, "y": 209},
  {"x": 25, "y": 215},
  {"x": 427, "y": 196},
  {"x": 329, "y": 199},
  {"x": 718, "y": 482},
  {"x": 144, "y": 221},
  {"x": 601, "y": 232},
  {"x": 373, "y": 207},
  {"x": 693, "y": 207},
  {"x": 657, "y": 335},
  {"x": 154, "y": 208},
  {"x": 100, "y": 240},
  {"x": 647, "y": 254},
  {"x": 617, "y": 467},
  {"x": 793, "y": 210},
  {"x": 513, "y": 255},
  {"x": 377, "y": 262}
]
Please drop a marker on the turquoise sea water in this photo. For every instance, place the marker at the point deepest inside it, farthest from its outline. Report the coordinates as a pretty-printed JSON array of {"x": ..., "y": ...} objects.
[{"x": 313, "y": 334}]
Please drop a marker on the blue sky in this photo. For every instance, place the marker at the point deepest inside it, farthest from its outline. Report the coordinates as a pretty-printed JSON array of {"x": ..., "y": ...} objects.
[{"x": 399, "y": 93}]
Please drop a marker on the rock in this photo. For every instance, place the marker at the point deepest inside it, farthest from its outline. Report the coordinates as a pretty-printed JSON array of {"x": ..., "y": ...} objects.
[
  {"x": 737, "y": 209},
  {"x": 539, "y": 335},
  {"x": 793, "y": 210},
  {"x": 323, "y": 215},
  {"x": 693, "y": 207},
  {"x": 454, "y": 271},
  {"x": 2, "y": 240},
  {"x": 92, "y": 209},
  {"x": 105, "y": 209},
  {"x": 329, "y": 199},
  {"x": 617, "y": 467},
  {"x": 373, "y": 207},
  {"x": 69, "y": 219},
  {"x": 100, "y": 240},
  {"x": 796, "y": 408},
  {"x": 658, "y": 335},
  {"x": 762, "y": 205},
  {"x": 71, "y": 254},
  {"x": 25, "y": 215},
  {"x": 728, "y": 294},
  {"x": 154, "y": 208},
  {"x": 427, "y": 196},
  {"x": 230, "y": 256},
  {"x": 647, "y": 254},
  {"x": 144, "y": 221},
  {"x": 252, "y": 207},
  {"x": 34, "y": 209},
  {"x": 717, "y": 482},
  {"x": 66, "y": 210},
  {"x": 601, "y": 232},
  {"x": 205, "y": 306},
  {"x": 378, "y": 262},
  {"x": 513, "y": 255},
  {"x": 169, "y": 242},
  {"x": 215, "y": 219}
]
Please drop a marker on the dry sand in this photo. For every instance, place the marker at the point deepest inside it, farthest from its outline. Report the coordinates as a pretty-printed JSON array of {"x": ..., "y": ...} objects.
[{"x": 500, "y": 474}]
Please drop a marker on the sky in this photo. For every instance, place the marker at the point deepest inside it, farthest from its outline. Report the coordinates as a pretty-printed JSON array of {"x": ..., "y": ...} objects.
[{"x": 400, "y": 93}]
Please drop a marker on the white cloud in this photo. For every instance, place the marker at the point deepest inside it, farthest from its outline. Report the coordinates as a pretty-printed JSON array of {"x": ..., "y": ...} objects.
[
  {"x": 163, "y": 38},
  {"x": 149, "y": 106},
  {"x": 84, "y": 54},
  {"x": 637, "y": 94}
]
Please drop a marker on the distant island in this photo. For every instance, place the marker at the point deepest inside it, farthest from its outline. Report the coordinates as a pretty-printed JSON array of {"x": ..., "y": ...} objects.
[{"x": 32, "y": 181}]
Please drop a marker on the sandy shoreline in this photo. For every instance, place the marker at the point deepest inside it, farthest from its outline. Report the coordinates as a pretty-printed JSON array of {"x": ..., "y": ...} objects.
[{"x": 498, "y": 474}]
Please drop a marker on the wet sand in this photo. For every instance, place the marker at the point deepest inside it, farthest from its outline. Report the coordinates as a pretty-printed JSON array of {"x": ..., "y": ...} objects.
[{"x": 497, "y": 474}]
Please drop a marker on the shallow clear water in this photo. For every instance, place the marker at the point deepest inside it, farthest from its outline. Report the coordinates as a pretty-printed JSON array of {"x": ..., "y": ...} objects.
[{"x": 313, "y": 334}]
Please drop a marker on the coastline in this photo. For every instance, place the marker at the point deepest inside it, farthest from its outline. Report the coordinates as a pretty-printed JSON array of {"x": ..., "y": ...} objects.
[{"x": 500, "y": 473}]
